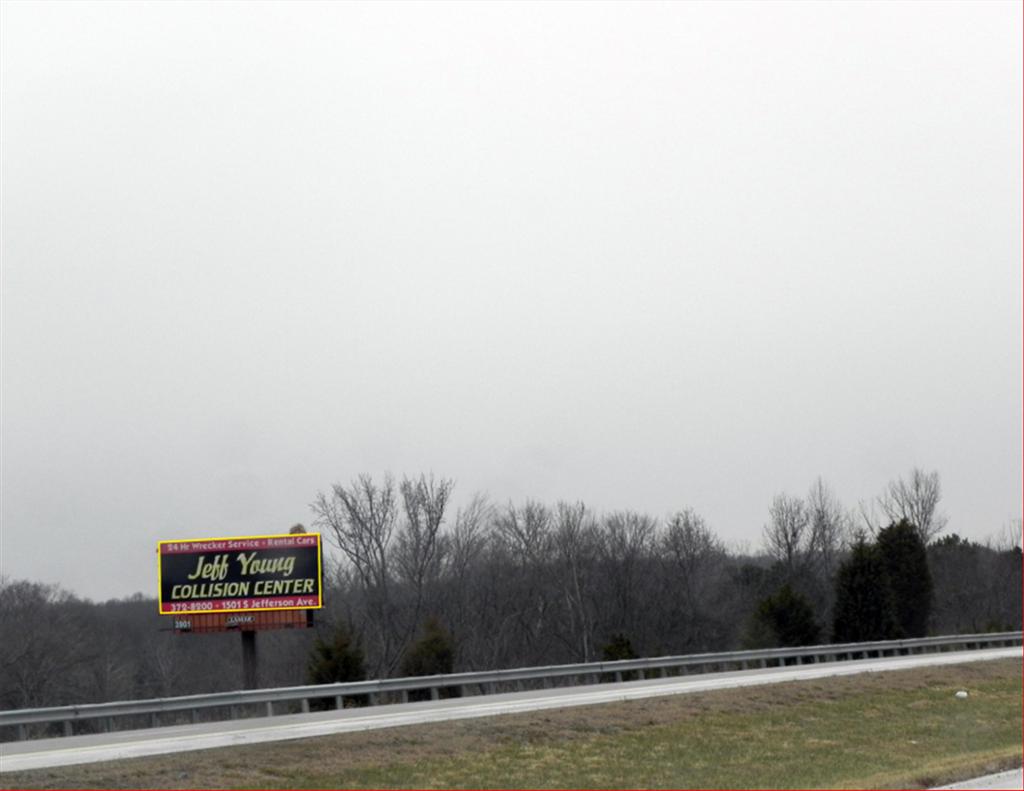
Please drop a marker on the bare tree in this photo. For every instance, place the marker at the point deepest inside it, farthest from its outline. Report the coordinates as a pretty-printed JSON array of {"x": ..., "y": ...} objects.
[
  {"x": 520, "y": 588},
  {"x": 830, "y": 533},
  {"x": 419, "y": 547},
  {"x": 164, "y": 669},
  {"x": 462, "y": 564},
  {"x": 525, "y": 532},
  {"x": 45, "y": 644},
  {"x": 575, "y": 543},
  {"x": 690, "y": 542},
  {"x": 692, "y": 550},
  {"x": 1009, "y": 537},
  {"x": 469, "y": 536},
  {"x": 786, "y": 536},
  {"x": 830, "y": 526},
  {"x": 627, "y": 543},
  {"x": 361, "y": 520},
  {"x": 915, "y": 500}
]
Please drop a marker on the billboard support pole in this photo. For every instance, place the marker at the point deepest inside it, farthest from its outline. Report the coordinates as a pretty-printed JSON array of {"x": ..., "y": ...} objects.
[{"x": 250, "y": 669}]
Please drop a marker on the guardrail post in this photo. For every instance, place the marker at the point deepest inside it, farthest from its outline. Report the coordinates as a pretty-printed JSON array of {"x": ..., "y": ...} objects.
[
  {"x": 195, "y": 715},
  {"x": 305, "y": 705},
  {"x": 404, "y": 696},
  {"x": 339, "y": 704},
  {"x": 154, "y": 720},
  {"x": 434, "y": 694},
  {"x": 373, "y": 699},
  {"x": 21, "y": 733},
  {"x": 270, "y": 708},
  {"x": 618, "y": 676},
  {"x": 67, "y": 727}
]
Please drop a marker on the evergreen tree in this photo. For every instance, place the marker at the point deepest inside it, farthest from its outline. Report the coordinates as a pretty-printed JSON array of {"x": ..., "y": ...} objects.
[
  {"x": 619, "y": 648},
  {"x": 864, "y": 608},
  {"x": 784, "y": 619},
  {"x": 432, "y": 654},
  {"x": 340, "y": 659},
  {"x": 905, "y": 558}
]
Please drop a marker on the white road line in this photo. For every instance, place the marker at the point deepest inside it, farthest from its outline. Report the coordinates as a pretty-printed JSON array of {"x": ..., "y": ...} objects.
[{"x": 15, "y": 756}]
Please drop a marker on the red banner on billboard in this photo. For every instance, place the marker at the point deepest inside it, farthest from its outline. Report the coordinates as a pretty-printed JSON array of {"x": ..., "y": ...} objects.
[{"x": 209, "y": 575}]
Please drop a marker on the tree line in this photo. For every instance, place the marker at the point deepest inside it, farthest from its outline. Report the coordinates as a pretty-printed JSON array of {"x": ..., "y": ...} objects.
[
  {"x": 417, "y": 586},
  {"x": 530, "y": 583}
]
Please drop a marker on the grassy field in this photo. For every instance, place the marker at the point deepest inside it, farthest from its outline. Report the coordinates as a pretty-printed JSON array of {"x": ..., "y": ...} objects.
[{"x": 900, "y": 729}]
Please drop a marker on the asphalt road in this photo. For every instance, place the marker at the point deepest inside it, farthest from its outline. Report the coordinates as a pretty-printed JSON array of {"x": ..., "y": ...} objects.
[{"x": 41, "y": 753}]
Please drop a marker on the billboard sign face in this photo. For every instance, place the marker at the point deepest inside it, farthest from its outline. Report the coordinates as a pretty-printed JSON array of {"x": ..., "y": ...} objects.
[{"x": 281, "y": 572}]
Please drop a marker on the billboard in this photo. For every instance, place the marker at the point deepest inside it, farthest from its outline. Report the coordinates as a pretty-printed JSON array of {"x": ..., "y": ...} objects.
[{"x": 210, "y": 575}]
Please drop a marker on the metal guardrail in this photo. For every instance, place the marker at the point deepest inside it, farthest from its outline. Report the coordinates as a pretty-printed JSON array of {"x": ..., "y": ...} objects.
[{"x": 488, "y": 681}]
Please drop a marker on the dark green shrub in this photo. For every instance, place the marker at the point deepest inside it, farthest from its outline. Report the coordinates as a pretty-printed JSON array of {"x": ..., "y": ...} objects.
[
  {"x": 905, "y": 559},
  {"x": 783, "y": 620},
  {"x": 618, "y": 648},
  {"x": 339, "y": 659},
  {"x": 432, "y": 654},
  {"x": 864, "y": 607}
]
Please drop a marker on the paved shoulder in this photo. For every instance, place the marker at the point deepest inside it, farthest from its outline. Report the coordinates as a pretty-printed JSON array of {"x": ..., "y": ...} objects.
[{"x": 1012, "y": 779}]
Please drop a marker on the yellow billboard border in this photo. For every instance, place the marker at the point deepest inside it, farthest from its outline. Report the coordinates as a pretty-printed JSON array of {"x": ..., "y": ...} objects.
[{"x": 319, "y": 574}]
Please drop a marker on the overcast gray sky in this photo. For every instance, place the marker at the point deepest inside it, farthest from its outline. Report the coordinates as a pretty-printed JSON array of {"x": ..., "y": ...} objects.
[{"x": 646, "y": 256}]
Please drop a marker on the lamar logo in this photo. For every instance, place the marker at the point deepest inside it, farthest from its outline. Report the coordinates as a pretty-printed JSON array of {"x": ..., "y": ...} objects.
[{"x": 235, "y": 620}]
